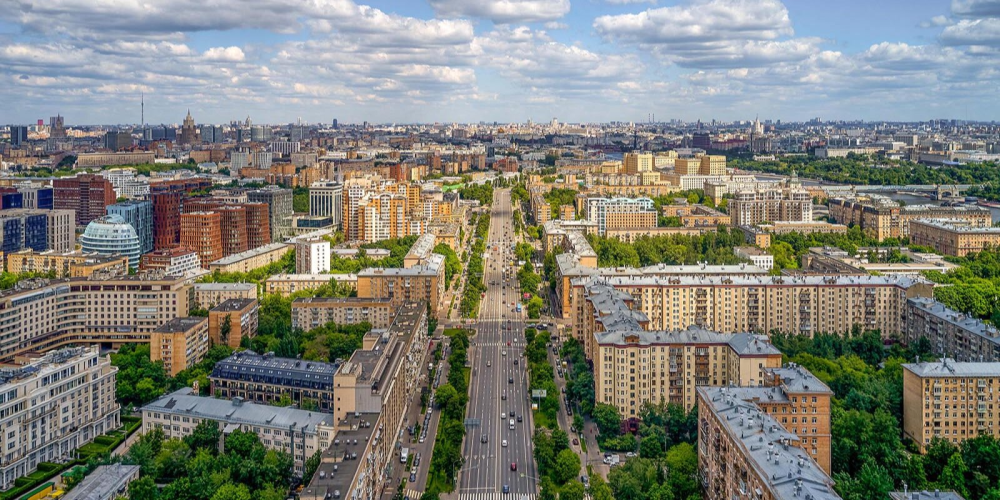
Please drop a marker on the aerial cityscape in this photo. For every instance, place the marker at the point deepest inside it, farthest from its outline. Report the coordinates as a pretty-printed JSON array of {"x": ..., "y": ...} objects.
[{"x": 500, "y": 250}]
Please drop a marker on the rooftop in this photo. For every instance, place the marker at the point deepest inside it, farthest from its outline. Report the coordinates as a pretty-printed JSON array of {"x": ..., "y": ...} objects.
[
  {"x": 312, "y": 277},
  {"x": 234, "y": 305},
  {"x": 953, "y": 317},
  {"x": 957, "y": 226},
  {"x": 103, "y": 483},
  {"x": 342, "y": 460},
  {"x": 742, "y": 343},
  {"x": 340, "y": 300},
  {"x": 758, "y": 280},
  {"x": 261, "y": 250},
  {"x": 430, "y": 267},
  {"x": 222, "y": 287},
  {"x": 248, "y": 365},
  {"x": 423, "y": 246},
  {"x": 180, "y": 325},
  {"x": 947, "y": 368},
  {"x": 185, "y": 402},
  {"x": 925, "y": 495}
]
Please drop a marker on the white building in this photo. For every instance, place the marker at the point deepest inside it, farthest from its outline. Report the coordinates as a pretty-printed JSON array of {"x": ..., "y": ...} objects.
[
  {"x": 312, "y": 256},
  {"x": 326, "y": 199},
  {"x": 755, "y": 255},
  {"x": 52, "y": 406}
]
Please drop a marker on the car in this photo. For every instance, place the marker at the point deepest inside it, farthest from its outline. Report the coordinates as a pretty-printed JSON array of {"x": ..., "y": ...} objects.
[
  {"x": 630, "y": 454},
  {"x": 490, "y": 363},
  {"x": 413, "y": 470},
  {"x": 413, "y": 477},
  {"x": 576, "y": 441},
  {"x": 510, "y": 380},
  {"x": 503, "y": 353},
  {"x": 416, "y": 461},
  {"x": 483, "y": 439},
  {"x": 504, "y": 396},
  {"x": 503, "y": 443},
  {"x": 515, "y": 362},
  {"x": 508, "y": 344},
  {"x": 503, "y": 416},
  {"x": 513, "y": 466},
  {"x": 506, "y": 488},
  {"x": 511, "y": 414},
  {"x": 519, "y": 419}
]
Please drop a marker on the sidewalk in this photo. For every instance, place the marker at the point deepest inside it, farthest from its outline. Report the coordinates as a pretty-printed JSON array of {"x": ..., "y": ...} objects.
[{"x": 592, "y": 456}]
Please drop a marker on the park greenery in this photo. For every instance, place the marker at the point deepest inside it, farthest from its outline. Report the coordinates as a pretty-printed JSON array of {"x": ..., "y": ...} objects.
[
  {"x": 559, "y": 197},
  {"x": 452, "y": 264},
  {"x": 541, "y": 376},
  {"x": 712, "y": 248},
  {"x": 974, "y": 286},
  {"x": 140, "y": 380},
  {"x": 192, "y": 468},
  {"x": 482, "y": 192},
  {"x": 397, "y": 247},
  {"x": 579, "y": 377},
  {"x": 451, "y": 398},
  {"x": 300, "y": 200},
  {"x": 474, "y": 286},
  {"x": 10, "y": 280},
  {"x": 558, "y": 465}
]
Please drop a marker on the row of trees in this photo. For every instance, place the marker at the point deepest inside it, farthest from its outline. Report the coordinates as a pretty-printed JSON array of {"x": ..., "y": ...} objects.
[
  {"x": 482, "y": 192},
  {"x": 397, "y": 247},
  {"x": 542, "y": 376},
  {"x": 857, "y": 169},
  {"x": 558, "y": 466},
  {"x": 452, "y": 399},
  {"x": 452, "y": 264},
  {"x": 558, "y": 197},
  {"x": 474, "y": 286},
  {"x": 713, "y": 248}
]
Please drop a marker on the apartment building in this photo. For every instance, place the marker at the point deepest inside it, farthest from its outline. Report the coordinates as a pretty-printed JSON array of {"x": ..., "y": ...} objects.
[
  {"x": 696, "y": 215},
  {"x": 620, "y": 213},
  {"x": 52, "y": 406},
  {"x": 180, "y": 343},
  {"x": 953, "y": 236},
  {"x": 356, "y": 463},
  {"x": 202, "y": 232},
  {"x": 950, "y": 400},
  {"x": 744, "y": 451},
  {"x": 637, "y": 162},
  {"x": 881, "y": 217},
  {"x": 780, "y": 203},
  {"x": 175, "y": 261},
  {"x": 279, "y": 205},
  {"x": 289, "y": 430},
  {"x": 247, "y": 261},
  {"x": 209, "y": 295},
  {"x": 420, "y": 283},
  {"x": 312, "y": 312},
  {"x": 23, "y": 229},
  {"x": 266, "y": 379},
  {"x": 61, "y": 235},
  {"x": 951, "y": 333},
  {"x": 231, "y": 321},
  {"x": 87, "y": 195},
  {"x": 541, "y": 210},
  {"x": 714, "y": 165},
  {"x": 66, "y": 264},
  {"x": 40, "y": 315},
  {"x": 287, "y": 284},
  {"x": 312, "y": 256}
]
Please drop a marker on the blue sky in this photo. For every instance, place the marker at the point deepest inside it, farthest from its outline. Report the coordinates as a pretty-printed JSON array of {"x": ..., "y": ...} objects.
[{"x": 498, "y": 60}]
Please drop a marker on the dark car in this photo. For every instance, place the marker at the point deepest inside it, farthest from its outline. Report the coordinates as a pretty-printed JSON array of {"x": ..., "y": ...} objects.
[
  {"x": 510, "y": 380},
  {"x": 519, "y": 419},
  {"x": 413, "y": 478},
  {"x": 506, "y": 488},
  {"x": 576, "y": 441}
]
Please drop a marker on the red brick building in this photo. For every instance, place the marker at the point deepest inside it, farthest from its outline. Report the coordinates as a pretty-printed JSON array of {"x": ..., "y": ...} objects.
[
  {"x": 87, "y": 195},
  {"x": 202, "y": 232}
]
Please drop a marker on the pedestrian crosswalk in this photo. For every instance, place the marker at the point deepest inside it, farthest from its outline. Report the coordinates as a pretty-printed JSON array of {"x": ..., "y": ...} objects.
[
  {"x": 497, "y": 496},
  {"x": 412, "y": 494},
  {"x": 499, "y": 344}
]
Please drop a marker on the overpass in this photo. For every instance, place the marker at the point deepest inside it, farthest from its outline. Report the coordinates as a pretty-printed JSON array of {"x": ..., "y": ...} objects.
[{"x": 937, "y": 191}]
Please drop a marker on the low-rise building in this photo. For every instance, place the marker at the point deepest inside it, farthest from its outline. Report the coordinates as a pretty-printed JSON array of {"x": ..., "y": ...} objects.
[
  {"x": 266, "y": 379},
  {"x": 881, "y": 217},
  {"x": 179, "y": 343},
  {"x": 287, "y": 284},
  {"x": 107, "y": 482},
  {"x": 176, "y": 261},
  {"x": 953, "y": 236},
  {"x": 950, "y": 400},
  {"x": 53, "y": 406},
  {"x": 232, "y": 320},
  {"x": 209, "y": 295},
  {"x": 951, "y": 333},
  {"x": 293, "y": 431},
  {"x": 312, "y": 312},
  {"x": 66, "y": 264},
  {"x": 255, "y": 258},
  {"x": 755, "y": 255}
]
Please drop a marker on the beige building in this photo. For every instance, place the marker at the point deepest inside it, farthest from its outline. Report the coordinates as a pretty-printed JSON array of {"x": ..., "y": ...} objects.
[
  {"x": 953, "y": 236},
  {"x": 180, "y": 343},
  {"x": 293, "y": 431},
  {"x": 241, "y": 317},
  {"x": 636, "y": 162},
  {"x": 950, "y": 400},
  {"x": 788, "y": 202},
  {"x": 621, "y": 213},
  {"x": 74, "y": 264},
  {"x": 419, "y": 283},
  {"x": 209, "y": 295},
  {"x": 256, "y": 258},
  {"x": 696, "y": 215},
  {"x": 287, "y": 284},
  {"x": 54, "y": 405},
  {"x": 447, "y": 233},
  {"x": 40, "y": 315},
  {"x": 881, "y": 217},
  {"x": 88, "y": 160},
  {"x": 951, "y": 333},
  {"x": 630, "y": 235},
  {"x": 313, "y": 312},
  {"x": 713, "y": 165}
]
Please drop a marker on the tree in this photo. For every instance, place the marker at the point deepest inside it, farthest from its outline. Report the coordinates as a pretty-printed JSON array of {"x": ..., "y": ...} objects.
[
  {"x": 871, "y": 483},
  {"x": 205, "y": 435},
  {"x": 311, "y": 465},
  {"x": 572, "y": 490},
  {"x": 953, "y": 475},
  {"x": 143, "y": 489},
  {"x": 225, "y": 329},
  {"x": 607, "y": 418},
  {"x": 599, "y": 489},
  {"x": 230, "y": 491},
  {"x": 566, "y": 467}
]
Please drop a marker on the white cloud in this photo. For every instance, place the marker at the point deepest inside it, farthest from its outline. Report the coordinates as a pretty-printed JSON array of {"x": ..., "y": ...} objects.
[
  {"x": 976, "y": 8},
  {"x": 224, "y": 54},
  {"x": 629, "y": 2},
  {"x": 973, "y": 32},
  {"x": 503, "y": 11}
]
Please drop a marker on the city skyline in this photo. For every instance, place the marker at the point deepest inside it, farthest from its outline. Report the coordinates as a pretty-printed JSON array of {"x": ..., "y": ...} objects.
[{"x": 431, "y": 61}]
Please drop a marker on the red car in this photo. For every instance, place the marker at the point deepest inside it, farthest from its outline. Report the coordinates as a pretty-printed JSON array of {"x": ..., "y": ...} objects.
[{"x": 513, "y": 466}]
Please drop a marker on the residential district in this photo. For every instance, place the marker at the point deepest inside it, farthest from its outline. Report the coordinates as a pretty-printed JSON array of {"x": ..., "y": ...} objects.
[{"x": 720, "y": 310}]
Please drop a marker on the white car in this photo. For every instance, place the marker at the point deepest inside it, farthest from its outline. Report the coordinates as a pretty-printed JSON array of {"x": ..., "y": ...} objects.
[
  {"x": 503, "y": 415},
  {"x": 503, "y": 443}
]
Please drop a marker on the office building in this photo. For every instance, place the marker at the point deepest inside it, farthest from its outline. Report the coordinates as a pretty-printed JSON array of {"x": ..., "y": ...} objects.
[
  {"x": 92, "y": 160},
  {"x": 279, "y": 206},
  {"x": 22, "y": 229},
  {"x": 326, "y": 198},
  {"x": 266, "y": 379},
  {"x": 117, "y": 140},
  {"x": 881, "y": 217},
  {"x": 771, "y": 204},
  {"x": 179, "y": 343},
  {"x": 18, "y": 135},
  {"x": 424, "y": 283},
  {"x": 231, "y": 321},
  {"x": 950, "y": 400},
  {"x": 176, "y": 261},
  {"x": 39, "y": 198},
  {"x": 313, "y": 312},
  {"x": 87, "y": 195},
  {"x": 953, "y": 236},
  {"x": 209, "y": 295},
  {"x": 636, "y": 162},
  {"x": 111, "y": 235},
  {"x": 254, "y": 258},
  {"x": 287, "y": 430},
  {"x": 66, "y": 264},
  {"x": 54, "y": 405},
  {"x": 202, "y": 232},
  {"x": 10, "y": 198},
  {"x": 166, "y": 219},
  {"x": 243, "y": 226},
  {"x": 621, "y": 213},
  {"x": 742, "y": 447},
  {"x": 312, "y": 256},
  {"x": 139, "y": 214},
  {"x": 951, "y": 333},
  {"x": 106, "y": 482}
]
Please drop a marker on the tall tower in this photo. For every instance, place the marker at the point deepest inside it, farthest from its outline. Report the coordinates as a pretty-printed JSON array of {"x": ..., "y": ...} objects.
[{"x": 189, "y": 132}]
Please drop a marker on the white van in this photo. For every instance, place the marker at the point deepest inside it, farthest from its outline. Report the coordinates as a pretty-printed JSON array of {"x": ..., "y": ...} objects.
[{"x": 512, "y": 424}]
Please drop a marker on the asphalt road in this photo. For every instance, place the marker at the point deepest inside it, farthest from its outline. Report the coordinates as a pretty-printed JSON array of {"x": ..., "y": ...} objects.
[{"x": 499, "y": 341}]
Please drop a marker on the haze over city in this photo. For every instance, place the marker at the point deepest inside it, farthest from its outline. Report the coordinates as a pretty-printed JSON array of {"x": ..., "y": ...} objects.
[{"x": 507, "y": 60}]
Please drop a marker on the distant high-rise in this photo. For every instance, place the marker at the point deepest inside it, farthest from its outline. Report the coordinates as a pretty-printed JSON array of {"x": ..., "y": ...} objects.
[
  {"x": 57, "y": 127},
  {"x": 18, "y": 135},
  {"x": 335, "y": 123},
  {"x": 139, "y": 214},
  {"x": 117, "y": 140},
  {"x": 189, "y": 131},
  {"x": 86, "y": 194}
]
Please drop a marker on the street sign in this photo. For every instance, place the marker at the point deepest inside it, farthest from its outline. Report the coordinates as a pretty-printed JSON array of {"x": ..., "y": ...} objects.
[{"x": 538, "y": 393}]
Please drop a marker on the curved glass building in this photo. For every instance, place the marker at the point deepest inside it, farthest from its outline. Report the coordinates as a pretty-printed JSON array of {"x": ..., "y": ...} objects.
[{"x": 111, "y": 235}]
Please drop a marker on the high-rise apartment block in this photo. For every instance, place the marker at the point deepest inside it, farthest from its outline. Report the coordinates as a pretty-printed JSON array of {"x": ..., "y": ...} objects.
[
  {"x": 62, "y": 230},
  {"x": 703, "y": 165},
  {"x": 279, "y": 206},
  {"x": 636, "y": 162},
  {"x": 86, "y": 194},
  {"x": 179, "y": 343},
  {"x": 621, "y": 213},
  {"x": 312, "y": 256},
  {"x": 950, "y": 400},
  {"x": 202, "y": 232},
  {"x": 953, "y": 236},
  {"x": 53, "y": 406},
  {"x": 951, "y": 333}
]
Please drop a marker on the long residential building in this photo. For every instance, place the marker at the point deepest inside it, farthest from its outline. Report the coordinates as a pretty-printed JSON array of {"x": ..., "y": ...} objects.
[
  {"x": 293, "y": 431},
  {"x": 951, "y": 333},
  {"x": 953, "y": 236},
  {"x": 313, "y": 312},
  {"x": 423, "y": 282},
  {"x": 209, "y": 295},
  {"x": 66, "y": 265},
  {"x": 40, "y": 315},
  {"x": 266, "y": 379},
  {"x": 287, "y": 284},
  {"x": 249, "y": 260},
  {"x": 881, "y": 217},
  {"x": 950, "y": 400},
  {"x": 53, "y": 406}
]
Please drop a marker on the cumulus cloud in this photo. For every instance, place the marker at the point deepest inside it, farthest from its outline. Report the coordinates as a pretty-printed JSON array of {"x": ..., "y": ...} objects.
[
  {"x": 228, "y": 54},
  {"x": 973, "y": 32},
  {"x": 503, "y": 11}
]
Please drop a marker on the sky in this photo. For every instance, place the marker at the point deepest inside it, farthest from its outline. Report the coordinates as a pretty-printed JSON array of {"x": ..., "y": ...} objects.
[{"x": 410, "y": 61}]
